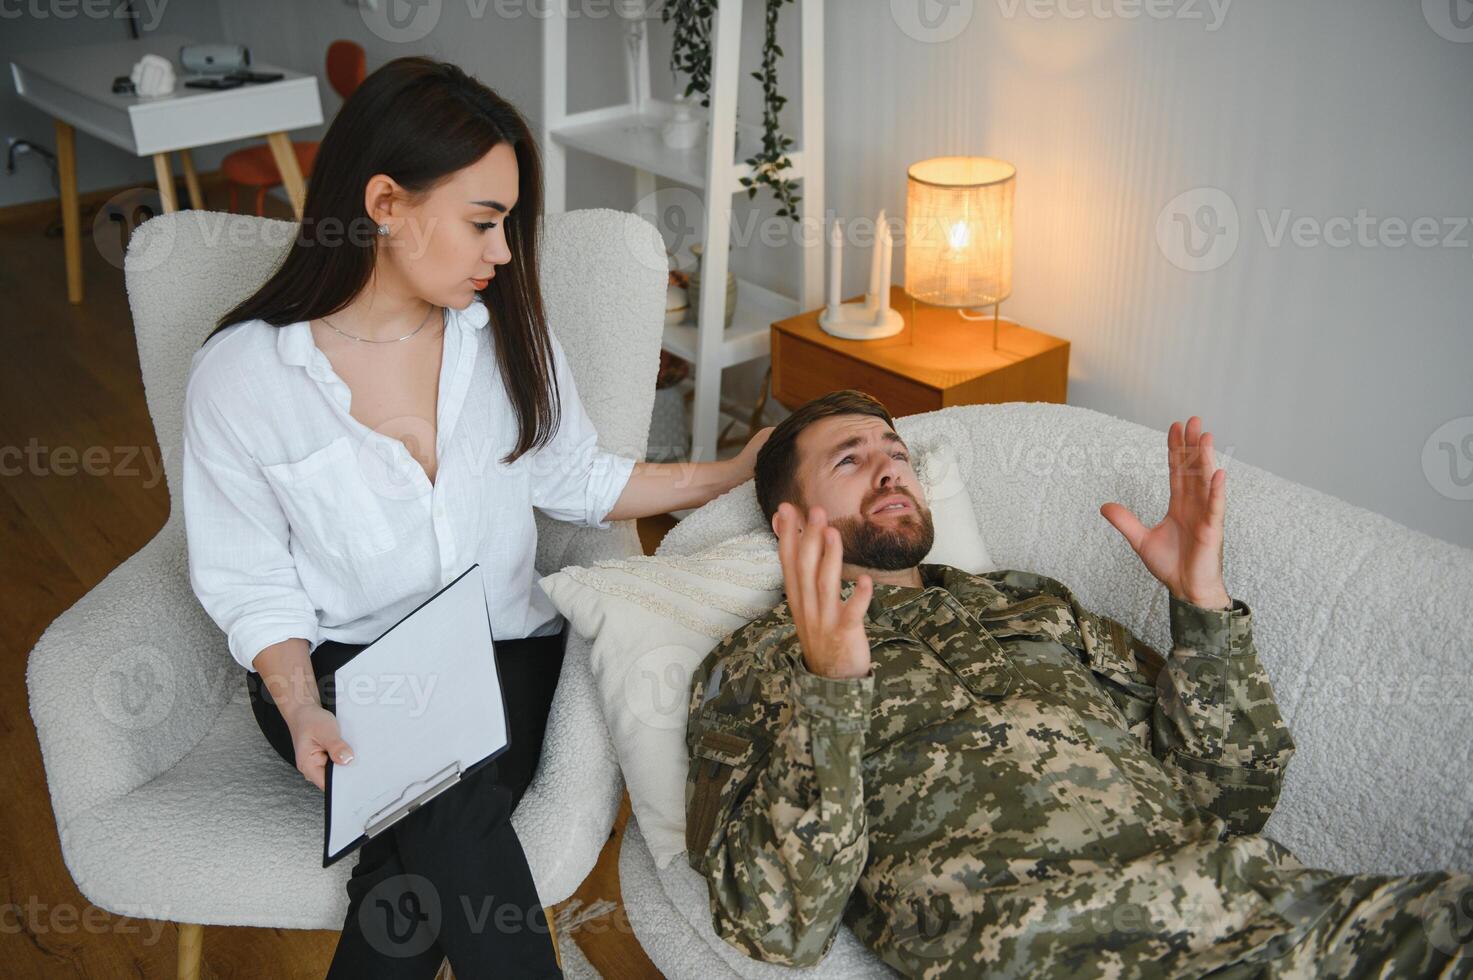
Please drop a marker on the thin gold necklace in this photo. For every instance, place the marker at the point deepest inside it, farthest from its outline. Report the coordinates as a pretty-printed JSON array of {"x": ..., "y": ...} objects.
[{"x": 368, "y": 340}]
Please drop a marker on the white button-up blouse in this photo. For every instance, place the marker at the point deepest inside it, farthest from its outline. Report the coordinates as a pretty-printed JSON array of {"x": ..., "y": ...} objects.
[{"x": 303, "y": 522}]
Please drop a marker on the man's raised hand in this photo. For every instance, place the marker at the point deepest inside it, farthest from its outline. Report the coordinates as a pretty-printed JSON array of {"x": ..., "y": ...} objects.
[
  {"x": 1184, "y": 551},
  {"x": 831, "y": 631}
]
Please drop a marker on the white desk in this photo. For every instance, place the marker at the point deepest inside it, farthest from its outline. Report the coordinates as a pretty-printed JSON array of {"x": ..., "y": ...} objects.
[{"x": 74, "y": 87}]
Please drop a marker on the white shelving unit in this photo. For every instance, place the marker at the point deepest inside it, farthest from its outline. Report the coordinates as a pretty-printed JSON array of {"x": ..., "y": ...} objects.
[{"x": 707, "y": 344}]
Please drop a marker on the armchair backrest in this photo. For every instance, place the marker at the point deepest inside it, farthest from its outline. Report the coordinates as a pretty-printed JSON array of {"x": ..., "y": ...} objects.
[{"x": 604, "y": 276}]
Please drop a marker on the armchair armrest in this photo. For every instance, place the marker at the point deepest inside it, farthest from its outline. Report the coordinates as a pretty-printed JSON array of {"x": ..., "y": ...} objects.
[
  {"x": 560, "y": 544},
  {"x": 127, "y": 680},
  {"x": 567, "y": 813}
]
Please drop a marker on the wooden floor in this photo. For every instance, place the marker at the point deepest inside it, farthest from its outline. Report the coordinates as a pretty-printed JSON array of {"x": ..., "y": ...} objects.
[{"x": 69, "y": 380}]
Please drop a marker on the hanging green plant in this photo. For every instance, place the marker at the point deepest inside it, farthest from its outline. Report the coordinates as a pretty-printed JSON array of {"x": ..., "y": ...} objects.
[{"x": 690, "y": 55}]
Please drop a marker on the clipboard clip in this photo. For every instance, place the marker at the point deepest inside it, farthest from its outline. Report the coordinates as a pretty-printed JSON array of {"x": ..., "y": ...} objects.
[{"x": 434, "y": 785}]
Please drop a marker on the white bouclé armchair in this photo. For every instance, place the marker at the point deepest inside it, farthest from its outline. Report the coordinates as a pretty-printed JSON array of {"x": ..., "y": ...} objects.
[{"x": 169, "y": 803}]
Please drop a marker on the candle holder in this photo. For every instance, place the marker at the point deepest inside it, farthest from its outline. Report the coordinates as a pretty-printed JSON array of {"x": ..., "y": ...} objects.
[
  {"x": 856, "y": 322},
  {"x": 872, "y": 318}
]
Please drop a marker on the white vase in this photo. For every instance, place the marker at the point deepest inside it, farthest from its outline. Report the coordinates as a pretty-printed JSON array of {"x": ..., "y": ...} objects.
[{"x": 684, "y": 130}]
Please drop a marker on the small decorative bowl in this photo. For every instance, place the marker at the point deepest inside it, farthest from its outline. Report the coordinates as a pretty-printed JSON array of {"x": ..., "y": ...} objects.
[{"x": 677, "y": 305}]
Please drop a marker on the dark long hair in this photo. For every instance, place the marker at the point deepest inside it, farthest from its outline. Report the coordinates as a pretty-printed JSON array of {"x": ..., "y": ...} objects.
[{"x": 419, "y": 121}]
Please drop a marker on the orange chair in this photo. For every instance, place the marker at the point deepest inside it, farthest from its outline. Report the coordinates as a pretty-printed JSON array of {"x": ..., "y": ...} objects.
[{"x": 255, "y": 167}]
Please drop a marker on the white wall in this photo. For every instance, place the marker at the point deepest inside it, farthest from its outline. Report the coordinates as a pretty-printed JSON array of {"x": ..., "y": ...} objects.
[{"x": 1332, "y": 366}]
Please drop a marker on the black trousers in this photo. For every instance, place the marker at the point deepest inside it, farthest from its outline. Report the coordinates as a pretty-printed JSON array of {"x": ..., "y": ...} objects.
[{"x": 451, "y": 878}]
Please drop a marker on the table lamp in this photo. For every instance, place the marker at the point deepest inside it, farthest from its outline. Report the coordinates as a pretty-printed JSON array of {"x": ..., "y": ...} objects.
[{"x": 959, "y": 233}]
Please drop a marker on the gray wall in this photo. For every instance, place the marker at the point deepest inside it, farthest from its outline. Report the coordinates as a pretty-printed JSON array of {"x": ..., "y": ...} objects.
[{"x": 1162, "y": 147}]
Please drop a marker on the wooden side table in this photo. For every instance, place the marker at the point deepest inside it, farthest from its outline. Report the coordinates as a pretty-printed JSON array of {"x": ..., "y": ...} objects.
[
  {"x": 938, "y": 360},
  {"x": 74, "y": 86}
]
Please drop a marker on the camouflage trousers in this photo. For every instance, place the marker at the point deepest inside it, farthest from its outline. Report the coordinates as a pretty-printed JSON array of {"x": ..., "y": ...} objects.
[{"x": 1239, "y": 908}]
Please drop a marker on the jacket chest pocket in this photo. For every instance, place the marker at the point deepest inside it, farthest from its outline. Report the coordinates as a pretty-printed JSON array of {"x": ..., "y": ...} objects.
[
  {"x": 329, "y": 504},
  {"x": 966, "y": 647},
  {"x": 723, "y": 766},
  {"x": 1046, "y": 618},
  {"x": 1111, "y": 651}
]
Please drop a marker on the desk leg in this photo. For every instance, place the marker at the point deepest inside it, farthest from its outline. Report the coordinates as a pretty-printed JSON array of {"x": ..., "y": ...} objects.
[
  {"x": 557, "y": 952},
  {"x": 163, "y": 172},
  {"x": 291, "y": 173},
  {"x": 191, "y": 180},
  {"x": 71, "y": 212}
]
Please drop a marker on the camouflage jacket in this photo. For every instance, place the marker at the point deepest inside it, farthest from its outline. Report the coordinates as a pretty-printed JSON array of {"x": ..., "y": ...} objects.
[{"x": 1006, "y": 745}]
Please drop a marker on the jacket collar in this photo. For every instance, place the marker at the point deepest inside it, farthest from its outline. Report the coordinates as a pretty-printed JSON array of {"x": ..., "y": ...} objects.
[
  {"x": 972, "y": 591},
  {"x": 890, "y": 606}
]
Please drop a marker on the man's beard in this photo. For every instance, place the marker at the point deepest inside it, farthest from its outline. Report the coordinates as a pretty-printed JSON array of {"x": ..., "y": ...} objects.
[{"x": 889, "y": 549}]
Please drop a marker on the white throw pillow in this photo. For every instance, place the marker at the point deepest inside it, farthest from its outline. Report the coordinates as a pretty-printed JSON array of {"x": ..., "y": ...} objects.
[{"x": 652, "y": 620}]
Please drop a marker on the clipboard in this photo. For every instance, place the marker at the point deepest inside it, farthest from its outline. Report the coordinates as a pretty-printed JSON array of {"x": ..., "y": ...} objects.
[{"x": 443, "y": 648}]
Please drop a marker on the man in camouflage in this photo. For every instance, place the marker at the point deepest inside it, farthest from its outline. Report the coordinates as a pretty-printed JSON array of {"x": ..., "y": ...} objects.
[{"x": 981, "y": 777}]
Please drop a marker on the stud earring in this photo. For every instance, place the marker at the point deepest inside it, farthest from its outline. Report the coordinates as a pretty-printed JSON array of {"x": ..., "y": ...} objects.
[{"x": 383, "y": 229}]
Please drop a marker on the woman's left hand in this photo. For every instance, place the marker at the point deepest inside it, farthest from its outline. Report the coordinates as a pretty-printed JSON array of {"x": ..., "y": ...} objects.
[{"x": 744, "y": 464}]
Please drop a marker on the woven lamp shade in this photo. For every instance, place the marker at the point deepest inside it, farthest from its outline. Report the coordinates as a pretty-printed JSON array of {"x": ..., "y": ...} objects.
[{"x": 959, "y": 231}]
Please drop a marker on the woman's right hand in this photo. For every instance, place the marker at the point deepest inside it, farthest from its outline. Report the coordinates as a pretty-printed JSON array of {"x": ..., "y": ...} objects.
[{"x": 315, "y": 736}]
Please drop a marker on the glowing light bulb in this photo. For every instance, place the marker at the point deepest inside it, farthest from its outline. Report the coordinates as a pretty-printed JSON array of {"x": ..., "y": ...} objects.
[{"x": 960, "y": 236}]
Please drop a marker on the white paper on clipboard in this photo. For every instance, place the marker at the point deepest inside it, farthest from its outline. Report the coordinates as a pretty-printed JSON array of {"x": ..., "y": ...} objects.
[{"x": 422, "y": 701}]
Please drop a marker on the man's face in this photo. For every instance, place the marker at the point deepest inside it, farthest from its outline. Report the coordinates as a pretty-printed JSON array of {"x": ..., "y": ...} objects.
[{"x": 859, "y": 471}]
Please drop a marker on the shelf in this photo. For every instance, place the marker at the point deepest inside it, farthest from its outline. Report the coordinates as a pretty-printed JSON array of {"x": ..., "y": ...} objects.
[
  {"x": 601, "y": 132},
  {"x": 748, "y": 337},
  {"x": 614, "y": 133}
]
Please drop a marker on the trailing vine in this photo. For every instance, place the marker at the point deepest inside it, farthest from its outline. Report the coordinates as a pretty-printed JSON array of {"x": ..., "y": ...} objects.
[
  {"x": 690, "y": 54},
  {"x": 690, "y": 48}
]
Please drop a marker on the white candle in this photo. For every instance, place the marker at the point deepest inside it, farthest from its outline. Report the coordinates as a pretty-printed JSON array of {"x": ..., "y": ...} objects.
[
  {"x": 887, "y": 250},
  {"x": 836, "y": 267},
  {"x": 872, "y": 294}
]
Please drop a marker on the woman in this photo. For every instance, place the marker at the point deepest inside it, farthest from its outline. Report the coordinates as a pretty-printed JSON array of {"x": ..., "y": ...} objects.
[{"x": 387, "y": 409}]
